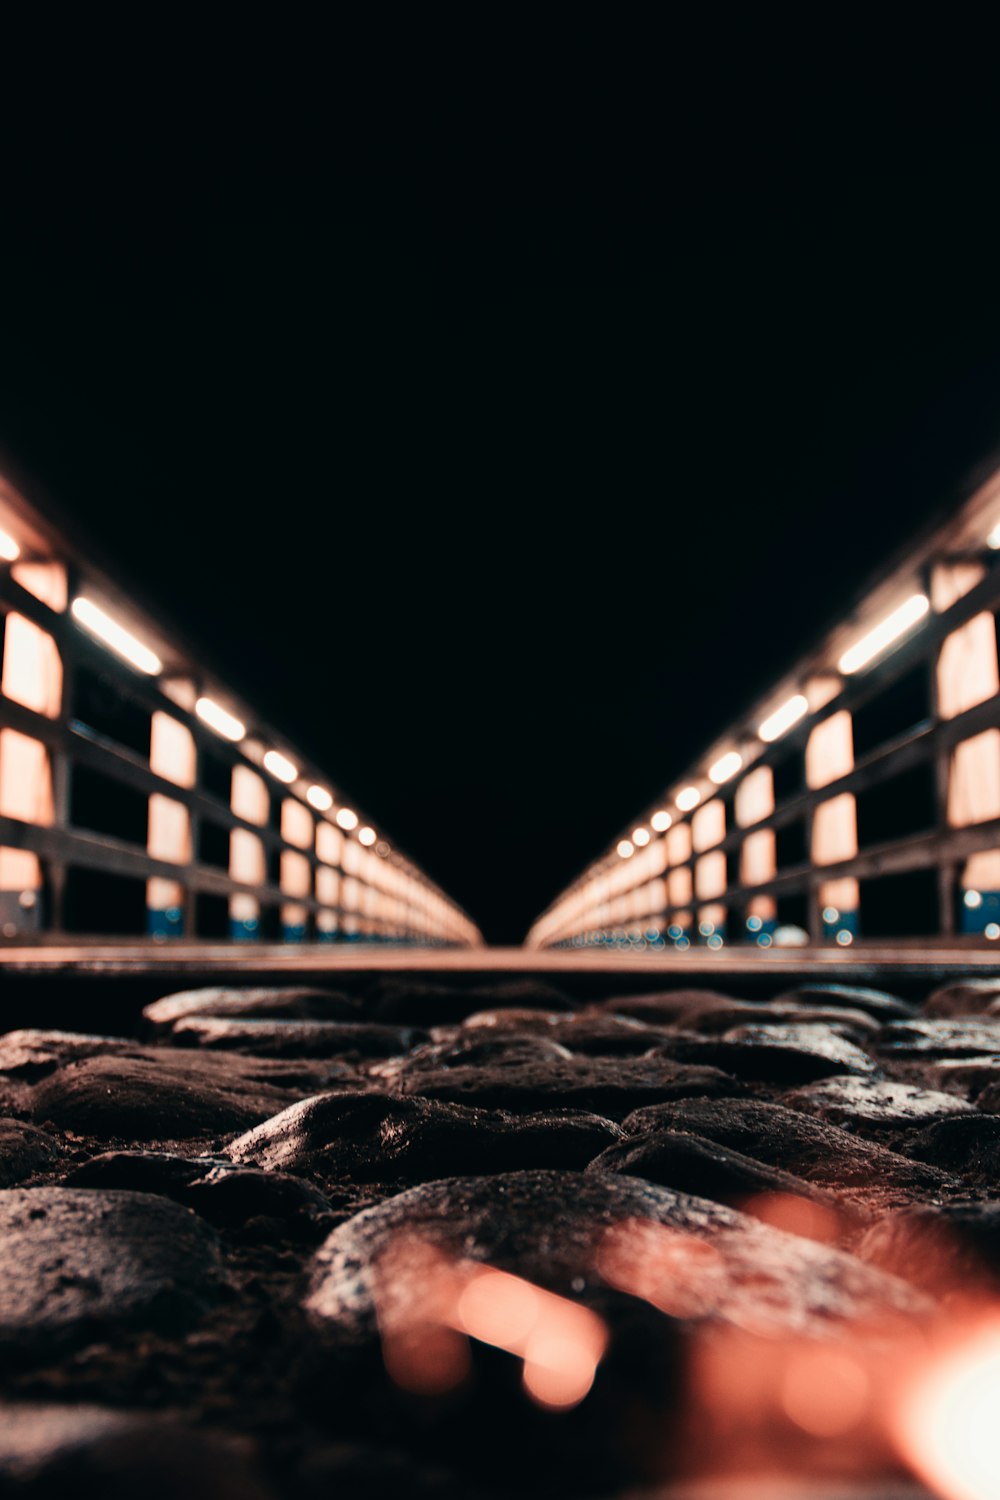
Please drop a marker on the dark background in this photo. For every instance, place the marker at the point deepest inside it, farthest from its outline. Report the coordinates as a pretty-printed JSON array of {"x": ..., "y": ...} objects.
[{"x": 501, "y": 412}]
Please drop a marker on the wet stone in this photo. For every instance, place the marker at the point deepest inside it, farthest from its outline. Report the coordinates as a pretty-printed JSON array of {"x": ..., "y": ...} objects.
[
  {"x": 693, "y": 1164},
  {"x": 877, "y": 1003},
  {"x": 970, "y": 997},
  {"x": 50, "y": 1451},
  {"x": 955, "y": 1248},
  {"x": 939, "y": 1039},
  {"x": 988, "y": 1098},
  {"x": 968, "y": 1146},
  {"x": 30, "y": 1054},
  {"x": 263, "y": 1003},
  {"x": 606, "y": 1086},
  {"x": 775, "y": 1054},
  {"x": 665, "y": 1008},
  {"x": 815, "y": 1039},
  {"x": 163, "y": 1098},
  {"x": 472, "y": 1049},
  {"x": 809, "y": 1148},
  {"x": 15, "y": 1099},
  {"x": 856, "y": 1025},
  {"x": 142, "y": 1172},
  {"x": 78, "y": 1264},
  {"x": 267, "y": 1038},
  {"x": 965, "y": 1075},
  {"x": 557, "y": 1229},
  {"x": 589, "y": 1032},
  {"x": 872, "y": 1106},
  {"x": 425, "y": 1004},
  {"x": 24, "y": 1150},
  {"x": 387, "y": 1138}
]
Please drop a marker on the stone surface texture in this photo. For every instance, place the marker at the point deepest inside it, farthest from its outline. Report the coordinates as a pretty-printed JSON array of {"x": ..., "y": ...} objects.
[{"x": 242, "y": 1234}]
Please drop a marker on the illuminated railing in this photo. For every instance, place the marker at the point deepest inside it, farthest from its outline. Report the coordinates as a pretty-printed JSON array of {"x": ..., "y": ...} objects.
[
  {"x": 138, "y": 797},
  {"x": 860, "y": 798}
]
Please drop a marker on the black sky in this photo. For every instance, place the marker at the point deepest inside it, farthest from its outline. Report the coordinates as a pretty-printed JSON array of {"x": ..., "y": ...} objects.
[{"x": 502, "y": 413}]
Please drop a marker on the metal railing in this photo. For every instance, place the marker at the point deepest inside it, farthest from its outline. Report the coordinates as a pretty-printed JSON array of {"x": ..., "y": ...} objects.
[
  {"x": 86, "y": 870},
  {"x": 935, "y": 839}
]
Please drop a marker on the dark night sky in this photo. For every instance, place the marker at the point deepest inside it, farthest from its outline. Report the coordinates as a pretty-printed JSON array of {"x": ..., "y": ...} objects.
[{"x": 502, "y": 428}]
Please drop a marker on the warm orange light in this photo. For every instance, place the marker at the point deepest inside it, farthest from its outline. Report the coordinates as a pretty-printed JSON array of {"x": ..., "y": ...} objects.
[
  {"x": 279, "y": 765},
  {"x": 319, "y": 798},
  {"x": 626, "y": 849},
  {"x": 947, "y": 1423},
  {"x": 795, "y": 1215},
  {"x": 661, "y": 821},
  {"x": 885, "y": 633},
  {"x": 121, "y": 641},
  {"x": 688, "y": 798},
  {"x": 825, "y": 1391},
  {"x": 781, "y": 721},
  {"x": 9, "y": 550},
  {"x": 725, "y": 767},
  {"x": 640, "y": 837},
  {"x": 425, "y": 1331},
  {"x": 367, "y": 836},
  {"x": 219, "y": 719},
  {"x": 347, "y": 819}
]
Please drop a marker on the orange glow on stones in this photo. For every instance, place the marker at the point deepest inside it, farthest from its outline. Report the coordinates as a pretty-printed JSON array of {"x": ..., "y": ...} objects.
[
  {"x": 948, "y": 1419},
  {"x": 432, "y": 1306}
]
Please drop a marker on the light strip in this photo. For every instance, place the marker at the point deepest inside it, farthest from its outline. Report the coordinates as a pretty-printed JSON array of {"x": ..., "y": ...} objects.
[
  {"x": 626, "y": 849},
  {"x": 688, "y": 798},
  {"x": 367, "y": 836},
  {"x": 319, "y": 798},
  {"x": 219, "y": 719},
  {"x": 781, "y": 721},
  {"x": 347, "y": 819},
  {"x": 9, "y": 550},
  {"x": 279, "y": 765},
  {"x": 111, "y": 634},
  {"x": 725, "y": 767},
  {"x": 892, "y": 627},
  {"x": 640, "y": 837},
  {"x": 661, "y": 821}
]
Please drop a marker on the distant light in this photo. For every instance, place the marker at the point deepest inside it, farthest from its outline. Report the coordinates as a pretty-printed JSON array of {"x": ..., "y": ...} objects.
[
  {"x": 891, "y": 628},
  {"x": 661, "y": 821},
  {"x": 725, "y": 767},
  {"x": 972, "y": 899},
  {"x": 279, "y": 765},
  {"x": 754, "y": 924},
  {"x": 715, "y": 941},
  {"x": 831, "y": 915},
  {"x": 217, "y": 718},
  {"x": 992, "y": 931},
  {"x": 9, "y": 550},
  {"x": 993, "y": 540},
  {"x": 382, "y": 849},
  {"x": 781, "y": 721},
  {"x": 347, "y": 819},
  {"x": 626, "y": 849},
  {"x": 640, "y": 837},
  {"x": 706, "y": 928},
  {"x": 121, "y": 641},
  {"x": 319, "y": 798},
  {"x": 367, "y": 836},
  {"x": 688, "y": 798},
  {"x": 845, "y": 938}
]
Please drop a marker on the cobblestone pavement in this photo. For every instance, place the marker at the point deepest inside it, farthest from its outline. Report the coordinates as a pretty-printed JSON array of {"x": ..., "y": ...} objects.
[{"x": 437, "y": 1242}]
